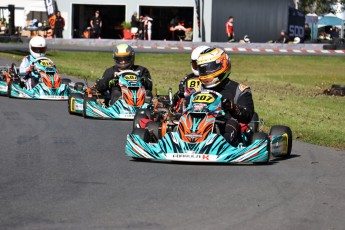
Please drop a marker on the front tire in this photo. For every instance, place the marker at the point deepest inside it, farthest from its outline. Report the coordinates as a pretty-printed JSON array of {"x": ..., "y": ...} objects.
[
  {"x": 70, "y": 97},
  {"x": 283, "y": 130}
]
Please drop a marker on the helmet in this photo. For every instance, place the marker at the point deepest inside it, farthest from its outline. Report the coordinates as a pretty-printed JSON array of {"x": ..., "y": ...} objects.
[
  {"x": 246, "y": 39},
  {"x": 124, "y": 56},
  {"x": 194, "y": 56},
  {"x": 38, "y": 47},
  {"x": 214, "y": 66}
]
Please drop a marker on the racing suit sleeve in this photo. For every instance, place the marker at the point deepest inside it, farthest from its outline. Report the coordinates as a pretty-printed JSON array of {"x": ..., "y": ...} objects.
[
  {"x": 102, "y": 85},
  {"x": 24, "y": 68},
  {"x": 243, "y": 108}
]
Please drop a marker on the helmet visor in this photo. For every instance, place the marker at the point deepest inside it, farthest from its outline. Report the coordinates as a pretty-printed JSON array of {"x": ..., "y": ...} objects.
[
  {"x": 123, "y": 60},
  {"x": 209, "y": 68},
  {"x": 39, "y": 49}
]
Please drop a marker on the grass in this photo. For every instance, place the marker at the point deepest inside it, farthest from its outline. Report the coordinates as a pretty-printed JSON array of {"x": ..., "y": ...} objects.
[{"x": 287, "y": 90}]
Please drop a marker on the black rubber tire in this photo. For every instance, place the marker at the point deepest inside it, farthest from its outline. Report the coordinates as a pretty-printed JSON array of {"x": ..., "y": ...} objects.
[
  {"x": 70, "y": 96},
  {"x": 340, "y": 46},
  {"x": 254, "y": 123},
  {"x": 155, "y": 129},
  {"x": 65, "y": 81},
  {"x": 79, "y": 86},
  {"x": 330, "y": 47},
  {"x": 279, "y": 130},
  {"x": 144, "y": 134},
  {"x": 86, "y": 99},
  {"x": 261, "y": 136},
  {"x": 141, "y": 113}
]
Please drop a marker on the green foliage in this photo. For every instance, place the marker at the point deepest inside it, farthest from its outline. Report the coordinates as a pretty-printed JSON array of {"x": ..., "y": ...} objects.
[
  {"x": 287, "y": 90},
  {"x": 126, "y": 25},
  {"x": 319, "y": 7}
]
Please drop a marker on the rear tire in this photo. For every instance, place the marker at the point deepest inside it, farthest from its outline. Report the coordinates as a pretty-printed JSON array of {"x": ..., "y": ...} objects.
[
  {"x": 280, "y": 130},
  {"x": 79, "y": 86},
  {"x": 66, "y": 81},
  {"x": 254, "y": 123}
]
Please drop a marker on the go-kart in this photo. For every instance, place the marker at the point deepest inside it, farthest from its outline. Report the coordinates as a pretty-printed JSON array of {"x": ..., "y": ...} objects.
[
  {"x": 95, "y": 105},
  {"x": 8, "y": 74},
  {"x": 50, "y": 86},
  {"x": 197, "y": 136}
]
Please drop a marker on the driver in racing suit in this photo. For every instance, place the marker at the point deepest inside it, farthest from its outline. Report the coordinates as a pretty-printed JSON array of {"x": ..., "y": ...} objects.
[
  {"x": 38, "y": 48},
  {"x": 124, "y": 57},
  {"x": 214, "y": 70},
  {"x": 191, "y": 81}
]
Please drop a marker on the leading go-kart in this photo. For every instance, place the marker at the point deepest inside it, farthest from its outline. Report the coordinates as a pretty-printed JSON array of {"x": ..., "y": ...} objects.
[
  {"x": 197, "y": 136},
  {"x": 95, "y": 105},
  {"x": 49, "y": 85}
]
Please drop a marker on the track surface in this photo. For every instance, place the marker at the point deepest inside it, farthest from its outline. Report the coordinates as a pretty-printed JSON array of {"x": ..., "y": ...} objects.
[{"x": 65, "y": 172}]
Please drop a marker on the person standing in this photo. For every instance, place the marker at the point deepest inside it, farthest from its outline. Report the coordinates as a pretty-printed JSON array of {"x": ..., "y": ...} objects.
[
  {"x": 96, "y": 25},
  {"x": 229, "y": 26},
  {"x": 59, "y": 25},
  {"x": 307, "y": 32},
  {"x": 149, "y": 27},
  {"x": 134, "y": 25}
]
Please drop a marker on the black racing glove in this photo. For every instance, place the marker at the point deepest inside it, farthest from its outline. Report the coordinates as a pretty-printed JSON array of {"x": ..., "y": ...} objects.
[
  {"x": 181, "y": 90},
  {"x": 229, "y": 106}
]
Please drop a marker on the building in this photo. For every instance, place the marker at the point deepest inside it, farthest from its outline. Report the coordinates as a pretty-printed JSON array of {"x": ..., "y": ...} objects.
[{"x": 261, "y": 20}]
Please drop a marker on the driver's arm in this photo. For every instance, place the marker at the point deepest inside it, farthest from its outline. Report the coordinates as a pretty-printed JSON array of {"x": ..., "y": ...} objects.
[
  {"x": 102, "y": 85},
  {"x": 145, "y": 74},
  {"x": 25, "y": 68}
]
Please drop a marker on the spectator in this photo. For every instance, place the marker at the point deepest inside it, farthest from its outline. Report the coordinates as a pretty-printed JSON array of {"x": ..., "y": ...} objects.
[
  {"x": 59, "y": 25},
  {"x": 307, "y": 32},
  {"x": 141, "y": 27},
  {"x": 134, "y": 25},
  {"x": 283, "y": 38},
  {"x": 229, "y": 26},
  {"x": 180, "y": 30},
  {"x": 148, "y": 26},
  {"x": 334, "y": 32},
  {"x": 96, "y": 25}
]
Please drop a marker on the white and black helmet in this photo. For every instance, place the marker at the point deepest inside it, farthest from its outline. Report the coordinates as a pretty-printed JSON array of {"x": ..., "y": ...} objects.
[
  {"x": 194, "y": 56},
  {"x": 38, "y": 47}
]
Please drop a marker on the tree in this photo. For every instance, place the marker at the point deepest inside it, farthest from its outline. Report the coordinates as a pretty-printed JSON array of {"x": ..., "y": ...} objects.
[{"x": 320, "y": 7}]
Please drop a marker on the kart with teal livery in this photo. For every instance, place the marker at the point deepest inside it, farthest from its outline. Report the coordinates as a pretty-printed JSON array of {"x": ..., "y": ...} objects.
[
  {"x": 7, "y": 74},
  {"x": 198, "y": 137},
  {"x": 95, "y": 105},
  {"x": 49, "y": 85}
]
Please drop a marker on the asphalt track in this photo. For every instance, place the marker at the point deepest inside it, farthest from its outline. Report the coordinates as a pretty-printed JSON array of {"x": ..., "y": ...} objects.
[{"x": 65, "y": 172}]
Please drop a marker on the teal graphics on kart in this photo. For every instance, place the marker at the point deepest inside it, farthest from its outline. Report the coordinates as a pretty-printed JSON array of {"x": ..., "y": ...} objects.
[
  {"x": 197, "y": 137},
  {"x": 94, "y": 105},
  {"x": 8, "y": 74},
  {"x": 50, "y": 86}
]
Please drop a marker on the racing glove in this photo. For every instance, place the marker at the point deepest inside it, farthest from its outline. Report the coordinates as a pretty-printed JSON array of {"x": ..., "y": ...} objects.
[
  {"x": 181, "y": 90},
  {"x": 229, "y": 106},
  {"x": 113, "y": 82},
  {"x": 188, "y": 92}
]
